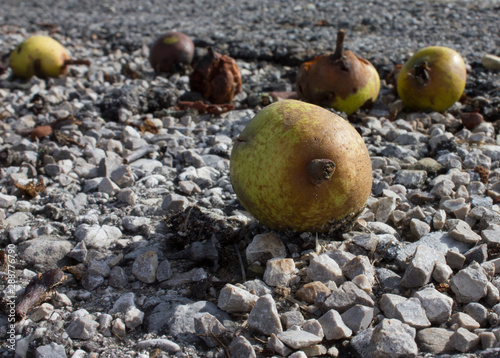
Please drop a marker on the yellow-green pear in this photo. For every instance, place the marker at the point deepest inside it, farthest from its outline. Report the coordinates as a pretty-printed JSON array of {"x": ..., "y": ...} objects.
[
  {"x": 40, "y": 56},
  {"x": 297, "y": 166},
  {"x": 432, "y": 79}
]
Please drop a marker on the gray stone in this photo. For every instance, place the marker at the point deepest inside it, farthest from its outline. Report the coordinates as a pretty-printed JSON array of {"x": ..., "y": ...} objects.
[
  {"x": 118, "y": 327},
  {"x": 435, "y": 340},
  {"x": 455, "y": 260},
  {"x": 135, "y": 223},
  {"x": 125, "y": 302},
  {"x": 52, "y": 350},
  {"x": 82, "y": 328},
  {"x": 462, "y": 319},
  {"x": 411, "y": 178},
  {"x": 117, "y": 277},
  {"x": 164, "y": 344},
  {"x": 361, "y": 343},
  {"x": 385, "y": 207},
  {"x": 98, "y": 237},
  {"x": 133, "y": 318},
  {"x": 439, "y": 241},
  {"x": 291, "y": 318},
  {"x": 437, "y": 305},
  {"x": 469, "y": 284},
  {"x": 127, "y": 196},
  {"x": 462, "y": 232},
  {"x": 278, "y": 346},
  {"x": 360, "y": 265},
  {"x": 234, "y": 299},
  {"x": 463, "y": 340},
  {"x": 313, "y": 326},
  {"x": 347, "y": 296},
  {"x": 491, "y": 237},
  {"x": 478, "y": 253},
  {"x": 175, "y": 203},
  {"x": 488, "y": 340},
  {"x": 439, "y": 219},
  {"x": 412, "y": 313},
  {"x": 341, "y": 257},
  {"x": 358, "y": 318},
  {"x": 122, "y": 176},
  {"x": 207, "y": 327},
  {"x": 419, "y": 228},
  {"x": 419, "y": 271},
  {"x": 257, "y": 287},
  {"x": 388, "y": 279},
  {"x": 264, "y": 317},
  {"x": 264, "y": 247},
  {"x": 298, "y": 339},
  {"x": 441, "y": 272},
  {"x": 388, "y": 303},
  {"x": 333, "y": 326},
  {"x": 6, "y": 201},
  {"x": 105, "y": 321},
  {"x": 79, "y": 252},
  {"x": 45, "y": 252},
  {"x": 19, "y": 234},
  {"x": 279, "y": 272},
  {"x": 478, "y": 312},
  {"x": 179, "y": 319},
  {"x": 145, "y": 267},
  {"x": 164, "y": 271},
  {"x": 107, "y": 186},
  {"x": 392, "y": 338},
  {"x": 443, "y": 188},
  {"x": 323, "y": 268}
]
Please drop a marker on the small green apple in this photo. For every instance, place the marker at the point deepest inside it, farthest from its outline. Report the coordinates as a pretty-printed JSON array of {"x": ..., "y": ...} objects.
[
  {"x": 340, "y": 80},
  {"x": 432, "y": 79},
  {"x": 39, "y": 55},
  {"x": 297, "y": 166}
]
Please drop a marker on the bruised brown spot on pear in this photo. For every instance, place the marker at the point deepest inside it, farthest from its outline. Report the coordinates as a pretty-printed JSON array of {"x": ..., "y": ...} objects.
[{"x": 320, "y": 170}]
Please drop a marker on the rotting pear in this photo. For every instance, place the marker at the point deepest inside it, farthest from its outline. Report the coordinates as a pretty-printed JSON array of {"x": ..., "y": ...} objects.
[
  {"x": 339, "y": 80},
  {"x": 41, "y": 56},
  {"x": 432, "y": 79},
  {"x": 171, "y": 52},
  {"x": 217, "y": 77},
  {"x": 297, "y": 166}
]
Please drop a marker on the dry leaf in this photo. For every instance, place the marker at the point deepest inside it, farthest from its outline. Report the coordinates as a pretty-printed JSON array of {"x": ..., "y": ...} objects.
[{"x": 31, "y": 189}]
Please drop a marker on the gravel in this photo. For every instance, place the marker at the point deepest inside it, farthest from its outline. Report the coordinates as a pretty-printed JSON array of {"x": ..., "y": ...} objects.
[{"x": 104, "y": 175}]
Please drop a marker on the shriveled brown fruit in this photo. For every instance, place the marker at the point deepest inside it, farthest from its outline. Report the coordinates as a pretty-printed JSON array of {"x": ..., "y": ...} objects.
[
  {"x": 171, "y": 51},
  {"x": 338, "y": 80},
  {"x": 41, "y": 132},
  {"x": 217, "y": 77},
  {"x": 472, "y": 120}
]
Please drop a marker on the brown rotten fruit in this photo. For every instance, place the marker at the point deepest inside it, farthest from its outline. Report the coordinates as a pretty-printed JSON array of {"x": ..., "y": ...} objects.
[
  {"x": 339, "y": 80},
  {"x": 217, "y": 77},
  {"x": 297, "y": 166},
  {"x": 171, "y": 51}
]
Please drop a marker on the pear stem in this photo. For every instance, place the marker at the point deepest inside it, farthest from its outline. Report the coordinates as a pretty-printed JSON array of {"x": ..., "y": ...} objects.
[
  {"x": 339, "y": 50},
  {"x": 76, "y": 62},
  {"x": 320, "y": 170}
]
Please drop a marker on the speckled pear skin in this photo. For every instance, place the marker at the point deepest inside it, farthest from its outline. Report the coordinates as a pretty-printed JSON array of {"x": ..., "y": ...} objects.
[
  {"x": 40, "y": 56},
  {"x": 269, "y": 160},
  {"x": 433, "y": 78}
]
